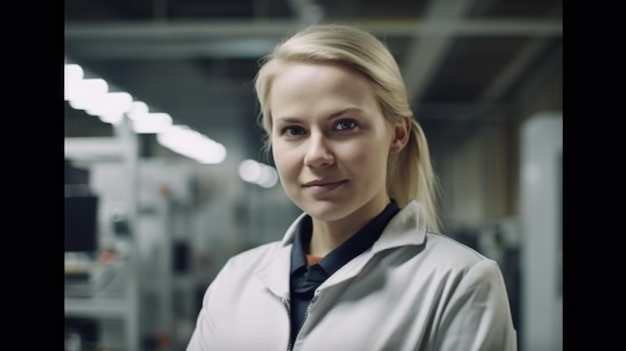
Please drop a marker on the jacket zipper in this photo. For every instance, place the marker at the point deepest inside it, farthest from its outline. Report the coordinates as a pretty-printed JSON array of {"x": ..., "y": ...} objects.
[
  {"x": 286, "y": 304},
  {"x": 306, "y": 315}
]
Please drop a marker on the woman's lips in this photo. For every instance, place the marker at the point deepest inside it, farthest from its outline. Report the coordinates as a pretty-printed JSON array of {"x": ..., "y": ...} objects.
[{"x": 319, "y": 188}]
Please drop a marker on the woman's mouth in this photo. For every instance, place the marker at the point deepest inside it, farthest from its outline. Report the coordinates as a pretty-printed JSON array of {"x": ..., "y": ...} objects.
[{"x": 323, "y": 187}]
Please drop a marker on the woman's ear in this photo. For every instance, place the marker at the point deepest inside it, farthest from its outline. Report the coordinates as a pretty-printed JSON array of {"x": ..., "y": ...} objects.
[{"x": 400, "y": 135}]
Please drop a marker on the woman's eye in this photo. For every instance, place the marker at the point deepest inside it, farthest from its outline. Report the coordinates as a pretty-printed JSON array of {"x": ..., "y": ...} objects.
[
  {"x": 345, "y": 125},
  {"x": 293, "y": 131}
]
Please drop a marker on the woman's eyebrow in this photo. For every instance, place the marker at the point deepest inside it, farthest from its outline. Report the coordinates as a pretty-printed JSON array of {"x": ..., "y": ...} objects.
[
  {"x": 289, "y": 119},
  {"x": 344, "y": 111}
]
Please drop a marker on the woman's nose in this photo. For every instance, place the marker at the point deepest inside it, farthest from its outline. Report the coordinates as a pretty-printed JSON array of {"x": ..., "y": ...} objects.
[{"x": 318, "y": 152}]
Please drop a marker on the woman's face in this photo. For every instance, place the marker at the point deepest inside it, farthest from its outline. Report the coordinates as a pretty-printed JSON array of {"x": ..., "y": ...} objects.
[{"x": 330, "y": 141}]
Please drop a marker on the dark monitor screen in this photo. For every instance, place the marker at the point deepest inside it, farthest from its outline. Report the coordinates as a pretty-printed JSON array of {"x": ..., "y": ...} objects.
[{"x": 81, "y": 213}]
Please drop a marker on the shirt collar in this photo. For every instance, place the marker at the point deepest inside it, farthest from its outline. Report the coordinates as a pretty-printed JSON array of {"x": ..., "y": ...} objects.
[
  {"x": 355, "y": 245},
  {"x": 302, "y": 235}
]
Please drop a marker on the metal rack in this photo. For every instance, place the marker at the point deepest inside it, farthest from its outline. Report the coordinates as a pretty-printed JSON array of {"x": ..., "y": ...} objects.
[{"x": 122, "y": 150}]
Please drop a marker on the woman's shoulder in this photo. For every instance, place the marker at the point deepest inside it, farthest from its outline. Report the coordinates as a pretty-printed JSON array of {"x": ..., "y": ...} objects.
[
  {"x": 449, "y": 252},
  {"x": 256, "y": 255}
]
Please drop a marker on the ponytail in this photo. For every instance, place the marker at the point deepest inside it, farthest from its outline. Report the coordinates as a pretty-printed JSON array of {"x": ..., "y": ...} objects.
[{"x": 411, "y": 176}]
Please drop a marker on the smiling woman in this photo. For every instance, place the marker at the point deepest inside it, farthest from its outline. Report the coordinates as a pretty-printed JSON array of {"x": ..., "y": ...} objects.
[
  {"x": 334, "y": 165},
  {"x": 363, "y": 267}
]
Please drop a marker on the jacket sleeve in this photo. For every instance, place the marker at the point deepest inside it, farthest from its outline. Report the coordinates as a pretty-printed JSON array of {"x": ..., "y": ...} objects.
[
  {"x": 477, "y": 317},
  {"x": 204, "y": 326}
]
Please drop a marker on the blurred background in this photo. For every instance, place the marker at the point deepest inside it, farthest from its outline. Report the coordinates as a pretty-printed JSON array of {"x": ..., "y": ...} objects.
[{"x": 165, "y": 177}]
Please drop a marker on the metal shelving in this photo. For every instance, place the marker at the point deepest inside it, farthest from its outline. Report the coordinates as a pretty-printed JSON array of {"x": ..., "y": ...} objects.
[{"x": 120, "y": 149}]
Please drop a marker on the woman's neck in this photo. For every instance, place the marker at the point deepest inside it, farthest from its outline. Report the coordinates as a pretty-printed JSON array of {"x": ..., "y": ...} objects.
[{"x": 327, "y": 235}]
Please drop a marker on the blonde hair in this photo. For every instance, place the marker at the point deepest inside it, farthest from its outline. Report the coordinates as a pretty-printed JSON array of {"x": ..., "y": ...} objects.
[{"x": 410, "y": 173}]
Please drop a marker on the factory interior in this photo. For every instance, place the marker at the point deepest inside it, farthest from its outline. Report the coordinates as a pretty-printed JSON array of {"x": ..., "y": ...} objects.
[{"x": 149, "y": 221}]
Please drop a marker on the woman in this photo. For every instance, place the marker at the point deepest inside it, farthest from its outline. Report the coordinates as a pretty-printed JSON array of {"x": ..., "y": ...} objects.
[{"x": 363, "y": 267}]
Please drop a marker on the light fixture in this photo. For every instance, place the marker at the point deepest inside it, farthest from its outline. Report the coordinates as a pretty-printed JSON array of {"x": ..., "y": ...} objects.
[
  {"x": 87, "y": 92},
  {"x": 258, "y": 173},
  {"x": 192, "y": 144},
  {"x": 152, "y": 123},
  {"x": 111, "y": 107},
  {"x": 93, "y": 96}
]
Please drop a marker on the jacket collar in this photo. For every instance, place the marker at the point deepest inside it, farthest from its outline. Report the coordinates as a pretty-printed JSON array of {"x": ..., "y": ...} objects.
[
  {"x": 291, "y": 231},
  {"x": 408, "y": 227}
]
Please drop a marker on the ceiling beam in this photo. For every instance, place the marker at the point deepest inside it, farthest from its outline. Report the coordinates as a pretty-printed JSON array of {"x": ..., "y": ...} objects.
[
  {"x": 514, "y": 70},
  {"x": 516, "y": 67},
  {"x": 456, "y": 111},
  {"x": 426, "y": 53},
  {"x": 205, "y": 30},
  {"x": 139, "y": 49},
  {"x": 255, "y": 39}
]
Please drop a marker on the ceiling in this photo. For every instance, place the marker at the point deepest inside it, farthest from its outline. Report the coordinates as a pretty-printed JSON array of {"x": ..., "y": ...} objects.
[{"x": 464, "y": 61}]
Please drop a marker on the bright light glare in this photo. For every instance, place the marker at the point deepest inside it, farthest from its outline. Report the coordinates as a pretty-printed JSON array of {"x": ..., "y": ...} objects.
[
  {"x": 153, "y": 123},
  {"x": 268, "y": 178},
  {"x": 73, "y": 75},
  {"x": 92, "y": 95},
  {"x": 111, "y": 118},
  {"x": 87, "y": 93},
  {"x": 116, "y": 104},
  {"x": 192, "y": 144},
  {"x": 138, "y": 110},
  {"x": 258, "y": 173},
  {"x": 250, "y": 171}
]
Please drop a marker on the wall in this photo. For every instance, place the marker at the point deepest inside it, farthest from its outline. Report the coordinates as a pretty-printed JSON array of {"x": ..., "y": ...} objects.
[{"x": 480, "y": 176}]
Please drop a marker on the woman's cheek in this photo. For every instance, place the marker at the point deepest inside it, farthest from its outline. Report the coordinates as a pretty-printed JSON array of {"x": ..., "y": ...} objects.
[{"x": 359, "y": 153}]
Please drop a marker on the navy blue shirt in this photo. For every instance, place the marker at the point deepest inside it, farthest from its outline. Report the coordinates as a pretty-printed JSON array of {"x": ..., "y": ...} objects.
[{"x": 305, "y": 279}]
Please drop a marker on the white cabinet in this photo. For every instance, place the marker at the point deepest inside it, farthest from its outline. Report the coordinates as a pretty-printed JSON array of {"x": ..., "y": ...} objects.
[{"x": 542, "y": 232}]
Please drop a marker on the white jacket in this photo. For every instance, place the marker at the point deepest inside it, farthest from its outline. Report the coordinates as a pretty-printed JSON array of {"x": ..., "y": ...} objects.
[{"x": 412, "y": 290}]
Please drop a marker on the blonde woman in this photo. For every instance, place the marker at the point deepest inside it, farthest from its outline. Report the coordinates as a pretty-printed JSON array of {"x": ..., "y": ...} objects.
[{"x": 364, "y": 266}]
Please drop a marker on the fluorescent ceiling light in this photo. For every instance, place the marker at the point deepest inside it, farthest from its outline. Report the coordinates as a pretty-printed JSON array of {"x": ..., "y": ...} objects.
[
  {"x": 192, "y": 144},
  {"x": 111, "y": 118},
  {"x": 257, "y": 173},
  {"x": 138, "y": 110},
  {"x": 73, "y": 74},
  {"x": 93, "y": 96},
  {"x": 153, "y": 123},
  {"x": 116, "y": 103},
  {"x": 85, "y": 93}
]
